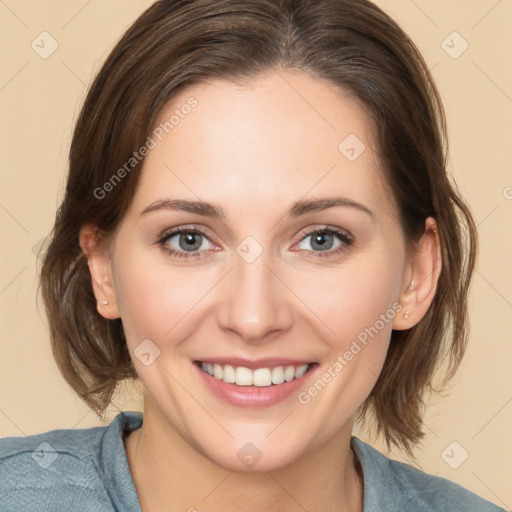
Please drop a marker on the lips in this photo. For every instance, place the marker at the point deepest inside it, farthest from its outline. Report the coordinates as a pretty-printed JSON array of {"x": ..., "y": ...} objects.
[{"x": 248, "y": 383}]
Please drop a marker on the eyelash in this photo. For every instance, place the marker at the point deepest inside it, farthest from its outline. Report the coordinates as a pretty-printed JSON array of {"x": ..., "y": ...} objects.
[{"x": 345, "y": 239}]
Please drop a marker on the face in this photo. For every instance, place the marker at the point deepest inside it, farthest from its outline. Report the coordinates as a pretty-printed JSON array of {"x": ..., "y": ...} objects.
[{"x": 296, "y": 266}]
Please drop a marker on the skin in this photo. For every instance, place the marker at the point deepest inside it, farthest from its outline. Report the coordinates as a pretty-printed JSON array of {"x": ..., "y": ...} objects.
[{"x": 254, "y": 150}]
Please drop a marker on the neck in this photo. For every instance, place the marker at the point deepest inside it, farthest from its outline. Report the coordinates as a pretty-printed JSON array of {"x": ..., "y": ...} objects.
[{"x": 168, "y": 470}]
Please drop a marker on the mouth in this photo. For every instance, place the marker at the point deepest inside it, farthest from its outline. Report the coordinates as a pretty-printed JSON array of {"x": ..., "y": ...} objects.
[
  {"x": 258, "y": 377},
  {"x": 263, "y": 383}
]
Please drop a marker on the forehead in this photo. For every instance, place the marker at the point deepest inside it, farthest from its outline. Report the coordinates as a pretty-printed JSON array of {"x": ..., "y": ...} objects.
[{"x": 283, "y": 135}]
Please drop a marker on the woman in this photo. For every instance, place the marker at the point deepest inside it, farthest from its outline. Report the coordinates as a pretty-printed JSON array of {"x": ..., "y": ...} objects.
[{"x": 258, "y": 224}]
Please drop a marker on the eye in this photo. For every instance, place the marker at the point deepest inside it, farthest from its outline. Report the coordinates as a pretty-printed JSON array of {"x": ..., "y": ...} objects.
[
  {"x": 326, "y": 241},
  {"x": 192, "y": 242},
  {"x": 185, "y": 242}
]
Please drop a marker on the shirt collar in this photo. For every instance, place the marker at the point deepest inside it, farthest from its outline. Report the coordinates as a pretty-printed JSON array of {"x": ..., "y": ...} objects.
[{"x": 116, "y": 471}]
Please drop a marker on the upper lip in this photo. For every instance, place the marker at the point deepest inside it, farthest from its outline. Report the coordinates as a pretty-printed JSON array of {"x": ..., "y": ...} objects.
[{"x": 254, "y": 364}]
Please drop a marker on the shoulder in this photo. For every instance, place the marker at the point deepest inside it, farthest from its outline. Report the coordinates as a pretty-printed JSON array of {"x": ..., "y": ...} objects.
[
  {"x": 59, "y": 467},
  {"x": 37, "y": 455},
  {"x": 56, "y": 466},
  {"x": 391, "y": 485}
]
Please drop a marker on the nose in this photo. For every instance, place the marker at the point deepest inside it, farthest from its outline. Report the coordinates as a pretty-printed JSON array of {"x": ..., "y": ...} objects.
[{"x": 256, "y": 307}]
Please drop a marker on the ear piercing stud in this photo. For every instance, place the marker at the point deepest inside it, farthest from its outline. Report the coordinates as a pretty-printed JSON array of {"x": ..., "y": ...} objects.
[
  {"x": 406, "y": 315},
  {"x": 104, "y": 302}
]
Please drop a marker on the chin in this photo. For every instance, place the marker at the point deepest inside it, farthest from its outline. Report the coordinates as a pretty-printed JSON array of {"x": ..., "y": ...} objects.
[{"x": 249, "y": 458}]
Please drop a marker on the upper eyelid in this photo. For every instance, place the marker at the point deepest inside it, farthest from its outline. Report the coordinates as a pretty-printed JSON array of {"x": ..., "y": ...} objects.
[{"x": 327, "y": 228}]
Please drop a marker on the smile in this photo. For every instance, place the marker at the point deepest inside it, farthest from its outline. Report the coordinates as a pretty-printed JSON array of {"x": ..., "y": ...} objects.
[
  {"x": 250, "y": 383},
  {"x": 259, "y": 377}
]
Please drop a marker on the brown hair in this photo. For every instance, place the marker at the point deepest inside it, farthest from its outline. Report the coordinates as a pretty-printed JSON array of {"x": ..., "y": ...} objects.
[{"x": 177, "y": 43}]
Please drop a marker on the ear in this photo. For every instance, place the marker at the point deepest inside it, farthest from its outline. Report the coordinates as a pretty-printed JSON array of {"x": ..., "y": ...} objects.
[
  {"x": 420, "y": 278},
  {"x": 99, "y": 262}
]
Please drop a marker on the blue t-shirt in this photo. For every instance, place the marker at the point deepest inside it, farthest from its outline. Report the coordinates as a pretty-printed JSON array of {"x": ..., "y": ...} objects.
[{"x": 87, "y": 470}]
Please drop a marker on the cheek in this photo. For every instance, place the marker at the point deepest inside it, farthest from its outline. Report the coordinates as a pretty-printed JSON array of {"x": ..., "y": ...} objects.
[
  {"x": 155, "y": 298},
  {"x": 357, "y": 303},
  {"x": 353, "y": 297}
]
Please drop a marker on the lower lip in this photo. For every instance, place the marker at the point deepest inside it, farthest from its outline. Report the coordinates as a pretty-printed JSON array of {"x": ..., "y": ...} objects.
[{"x": 253, "y": 396}]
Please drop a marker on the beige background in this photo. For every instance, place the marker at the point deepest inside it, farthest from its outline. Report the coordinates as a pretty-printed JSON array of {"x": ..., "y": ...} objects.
[{"x": 39, "y": 101}]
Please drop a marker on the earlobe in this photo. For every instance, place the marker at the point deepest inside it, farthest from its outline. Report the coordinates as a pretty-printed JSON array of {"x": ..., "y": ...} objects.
[
  {"x": 420, "y": 279},
  {"x": 99, "y": 263}
]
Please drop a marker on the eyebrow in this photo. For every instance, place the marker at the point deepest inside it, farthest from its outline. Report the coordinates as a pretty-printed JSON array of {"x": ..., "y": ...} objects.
[{"x": 299, "y": 208}]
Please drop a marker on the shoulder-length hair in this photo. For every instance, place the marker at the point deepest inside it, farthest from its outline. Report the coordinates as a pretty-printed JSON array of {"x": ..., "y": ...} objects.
[{"x": 177, "y": 43}]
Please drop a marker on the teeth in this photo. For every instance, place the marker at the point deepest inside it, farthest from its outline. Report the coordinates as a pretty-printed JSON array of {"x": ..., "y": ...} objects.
[
  {"x": 289, "y": 373},
  {"x": 278, "y": 375},
  {"x": 229, "y": 375},
  {"x": 301, "y": 370},
  {"x": 217, "y": 371},
  {"x": 262, "y": 377},
  {"x": 243, "y": 376}
]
